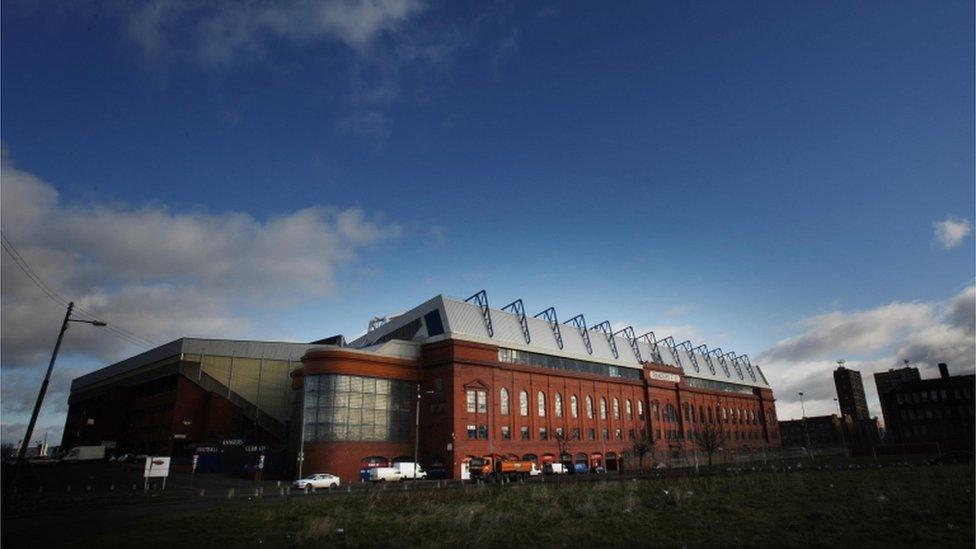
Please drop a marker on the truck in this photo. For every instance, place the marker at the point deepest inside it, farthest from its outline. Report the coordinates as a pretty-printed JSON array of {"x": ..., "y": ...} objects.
[
  {"x": 385, "y": 474},
  {"x": 492, "y": 469},
  {"x": 407, "y": 471},
  {"x": 85, "y": 453}
]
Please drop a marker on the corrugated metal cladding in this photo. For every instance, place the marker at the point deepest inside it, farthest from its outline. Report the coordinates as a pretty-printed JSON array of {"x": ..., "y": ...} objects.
[
  {"x": 463, "y": 320},
  {"x": 269, "y": 350}
]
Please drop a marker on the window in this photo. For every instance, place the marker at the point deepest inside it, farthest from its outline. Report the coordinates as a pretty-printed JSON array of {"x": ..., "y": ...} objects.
[
  {"x": 543, "y": 433},
  {"x": 616, "y": 409},
  {"x": 619, "y": 434},
  {"x": 640, "y": 409},
  {"x": 631, "y": 434},
  {"x": 483, "y": 432},
  {"x": 355, "y": 408},
  {"x": 606, "y": 434},
  {"x": 525, "y": 433},
  {"x": 557, "y": 407},
  {"x": 523, "y": 403},
  {"x": 471, "y": 401},
  {"x": 655, "y": 410},
  {"x": 503, "y": 398},
  {"x": 482, "y": 397},
  {"x": 472, "y": 432},
  {"x": 576, "y": 433},
  {"x": 603, "y": 408},
  {"x": 559, "y": 431},
  {"x": 629, "y": 410},
  {"x": 670, "y": 415},
  {"x": 541, "y": 401},
  {"x": 506, "y": 432},
  {"x": 589, "y": 407},
  {"x": 591, "y": 433},
  {"x": 573, "y": 406}
]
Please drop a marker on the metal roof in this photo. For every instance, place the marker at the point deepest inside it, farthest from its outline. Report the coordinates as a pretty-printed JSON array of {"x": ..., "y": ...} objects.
[{"x": 472, "y": 320}]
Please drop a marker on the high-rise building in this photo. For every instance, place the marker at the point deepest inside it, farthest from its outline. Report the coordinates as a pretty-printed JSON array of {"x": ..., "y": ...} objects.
[
  {"x": 887, "y": 382},
  {"x": 850, "y": 394},
  {"x": 935, "y": 411}
]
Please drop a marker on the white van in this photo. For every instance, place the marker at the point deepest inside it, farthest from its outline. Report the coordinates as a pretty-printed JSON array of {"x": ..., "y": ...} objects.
[
  {"x": 406, "y": 469},
  {"x": 555, "y": 469},
  {"x": 385, "y": 474}
]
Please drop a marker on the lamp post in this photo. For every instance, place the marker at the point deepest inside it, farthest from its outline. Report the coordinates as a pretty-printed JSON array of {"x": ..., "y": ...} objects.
[
  {"x": 806, "y": 430},
  {"x": 47, "y": 376},
  {"x": 416, "y": 434},
  {"x": 843, "y": 425}
]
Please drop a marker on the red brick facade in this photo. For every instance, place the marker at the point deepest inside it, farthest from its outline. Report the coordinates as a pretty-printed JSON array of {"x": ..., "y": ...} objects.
[{"x": 664, "y": 409}]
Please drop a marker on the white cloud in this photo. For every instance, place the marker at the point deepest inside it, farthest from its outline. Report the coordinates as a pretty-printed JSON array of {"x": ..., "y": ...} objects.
[
  {"x": 924, "y": 333},
  {"x": 951, "y": 231},
  {"x": 14, "y": 432},
  {"x": 158, "y": 273},
  {"x": 679, "y": 310}
]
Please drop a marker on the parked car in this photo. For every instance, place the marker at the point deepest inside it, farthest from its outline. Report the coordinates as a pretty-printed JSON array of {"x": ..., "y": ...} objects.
[{"x": 316, "y": 481}]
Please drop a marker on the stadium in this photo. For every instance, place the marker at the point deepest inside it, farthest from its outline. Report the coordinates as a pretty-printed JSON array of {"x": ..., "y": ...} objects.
[{"x": 448, "y": 380}]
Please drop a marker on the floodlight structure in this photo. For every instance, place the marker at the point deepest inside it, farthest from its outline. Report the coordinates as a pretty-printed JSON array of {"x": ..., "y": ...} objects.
[
  {"x": 481, "y": 299},
  {"x": 518, "y": 310},
  {"x": 628, "y": 333},
  {"x": 550, "y": 316},
  {"x": 608, "y": 332},
  {"x": 580, "y": 324}
]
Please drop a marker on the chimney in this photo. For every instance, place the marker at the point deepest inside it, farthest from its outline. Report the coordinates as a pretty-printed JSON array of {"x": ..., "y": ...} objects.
[{"x": 944, "y": 370}]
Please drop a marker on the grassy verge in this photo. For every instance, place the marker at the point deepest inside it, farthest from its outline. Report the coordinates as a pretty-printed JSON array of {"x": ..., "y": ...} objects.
[{"x": 930, "y": 506}]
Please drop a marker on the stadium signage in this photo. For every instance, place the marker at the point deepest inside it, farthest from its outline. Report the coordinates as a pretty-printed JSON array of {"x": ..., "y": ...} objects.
[{"x": 664, "y": 376}]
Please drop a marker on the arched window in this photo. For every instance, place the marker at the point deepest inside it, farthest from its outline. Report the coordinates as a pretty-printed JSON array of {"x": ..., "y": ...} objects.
[
  {"x": 523, "y": 403},
  {"x": 557, "y": 407},
  {"x": 574, "y": 405},
  {"x": 670, "y": 415},
  {"x": 629, "y": 410},
  {"x": 589, "y": 407},
  {"x": 616, "y": 409},
  {"x": 504, "y": 401},
  {"x": 655, "y": 410},
  {"x": 541, "y": 401},
  {"x": 640, "y": 409},
  {"x": 603, "y": 408}
]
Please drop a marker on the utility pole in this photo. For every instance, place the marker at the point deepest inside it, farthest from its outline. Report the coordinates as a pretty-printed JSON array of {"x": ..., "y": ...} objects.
[
  {"x": 47, "y": 378},
  {"x": 806, "y": 430}
]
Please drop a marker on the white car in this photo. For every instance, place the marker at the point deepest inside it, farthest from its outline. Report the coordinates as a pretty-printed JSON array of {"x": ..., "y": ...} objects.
[{"x": 316, "y": 481}]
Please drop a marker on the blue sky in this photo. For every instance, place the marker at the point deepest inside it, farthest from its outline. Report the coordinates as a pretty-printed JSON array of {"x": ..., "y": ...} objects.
[{"x": 742, "y": 174}]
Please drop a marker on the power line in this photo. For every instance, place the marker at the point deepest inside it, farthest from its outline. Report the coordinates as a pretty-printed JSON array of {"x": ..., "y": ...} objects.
[{"x": 61, "y": 301}]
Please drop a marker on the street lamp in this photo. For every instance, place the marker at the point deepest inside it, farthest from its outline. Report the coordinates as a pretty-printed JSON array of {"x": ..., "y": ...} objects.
[
  {"x": 843, "y": 424},
  {"x": 416, "y": 435},
  {"x": 806, "y": 430},
  {"x": 47, "y": 376}
]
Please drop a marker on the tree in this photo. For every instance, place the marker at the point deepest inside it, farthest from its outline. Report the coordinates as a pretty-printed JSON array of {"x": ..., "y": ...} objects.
[
  {"x": 562, "y": 443},
  {"x": 641, "y": 446},
  {"x": 710, "y": 439}
]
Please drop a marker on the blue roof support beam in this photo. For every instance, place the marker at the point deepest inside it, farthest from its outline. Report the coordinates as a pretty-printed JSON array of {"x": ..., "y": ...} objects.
[
  {"x": 481, "y": 299},
  {"x": 550, "y": 316},
  {"x": 518, "y": 310},
  {"x": 669, "y": 342},
  {"x": 725, "y": 367},
  {"x": 628, "y": 333},
  {"x": 761, "y": 374},
  {"x": 580, "y": 324},
  {"x": 686, "y": 345},
  {"x": 704, "y": 351},
  {"x": 744, "y": 359},
  {"x": 607, "y": 331},
  {"x": 651, "y": 340}
]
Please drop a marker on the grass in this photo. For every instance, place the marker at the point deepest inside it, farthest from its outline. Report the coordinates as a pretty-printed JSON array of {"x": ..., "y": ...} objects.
[{"x": 931, "y": 506}]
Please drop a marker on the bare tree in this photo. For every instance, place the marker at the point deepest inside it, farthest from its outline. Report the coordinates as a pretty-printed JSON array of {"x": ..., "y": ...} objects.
[
  {"x": 562, "y": 442},
  {"x": 710, "y": 439},
  {"x": 641, "y": 446}
]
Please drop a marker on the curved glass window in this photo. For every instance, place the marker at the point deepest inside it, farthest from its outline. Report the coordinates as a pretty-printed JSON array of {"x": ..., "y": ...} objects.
[
  {"x": 589, "y": 407},
  {"x": 603, "y": 408},
  {"x": 503, "y": 400},
  {"x": 630, "y": 410},
  {"x": 557, "y": 405},
  {"x": 523, "y": 403},
  {"x": 541, "y": 402},
  {"x": 640, "y": 409},
  {"x": 356, "y": 408},
  {"x": 574, "y": 406},
  {"x": 616, "y": 409}
]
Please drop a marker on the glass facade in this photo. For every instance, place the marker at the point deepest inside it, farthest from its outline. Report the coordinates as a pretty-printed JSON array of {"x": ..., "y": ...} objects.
[
  {"x": 513, "y": 356},
  {"x": 355, "y": 408},
  {"x": 717, "y": 385}
]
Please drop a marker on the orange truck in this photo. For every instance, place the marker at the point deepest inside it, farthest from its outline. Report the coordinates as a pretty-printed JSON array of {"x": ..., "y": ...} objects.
[{"x": 492, "y": 469}]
